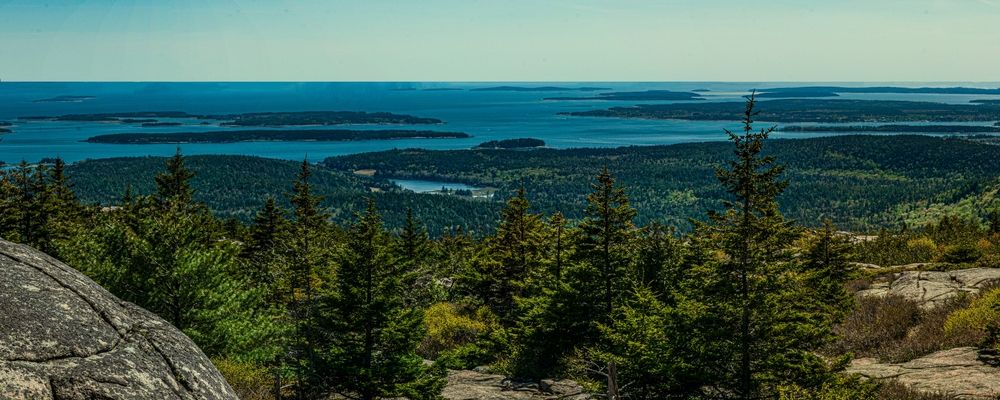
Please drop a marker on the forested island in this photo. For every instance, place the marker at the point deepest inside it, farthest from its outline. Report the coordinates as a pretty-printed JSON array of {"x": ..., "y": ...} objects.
[
  {"x": 646, "y": 95},
  {"x": 520, "y": 143},
  {"x": 537, "y": 89},
  {"x": 958, "y": 129},
  {"x": 833, "y": 91},
  {"x": 5, "y": 130},
  {"x": 811, "y": 110},
  {"x": 311, "y": 135},
  {"x": 261, "y": 119}
]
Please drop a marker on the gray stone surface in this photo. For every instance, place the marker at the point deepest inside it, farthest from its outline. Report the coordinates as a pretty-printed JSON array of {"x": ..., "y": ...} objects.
[
  {"x": 964, "y": 373},
  {"x": 472, "y": 385},
  {"x": 932, "y": 288},
  {"x": 62, "y": 336}
]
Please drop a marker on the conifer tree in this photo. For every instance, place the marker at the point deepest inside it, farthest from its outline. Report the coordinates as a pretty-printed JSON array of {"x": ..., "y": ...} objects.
[
  {"x": 308, "y": 262},
  {"x": 659, "y": 261},
  {"x": 371, "y": 333},
  {"x": 560, "y": 244},
  {"x": 606, "y": 235},
  {"x": 173, "y": 186},
  {"x": 762, "y": 332},
  {"x": 414, "y": 242},
  {"x": 827, "y": 269},
  {"x": 516, "y": 257}
]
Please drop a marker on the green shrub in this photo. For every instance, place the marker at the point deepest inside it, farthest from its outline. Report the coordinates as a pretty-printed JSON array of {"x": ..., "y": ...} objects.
[
  {"x": 249, "y": 381},
  {"x": 961, "y": 253},
  {"x": 922, "y": 248},
  {"x": 978, "y": 318},
  {"x": 453, "y": 328}
]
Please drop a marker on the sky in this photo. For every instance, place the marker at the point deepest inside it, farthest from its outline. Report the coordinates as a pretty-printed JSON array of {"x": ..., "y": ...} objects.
[{"x": 500, "y": 40}]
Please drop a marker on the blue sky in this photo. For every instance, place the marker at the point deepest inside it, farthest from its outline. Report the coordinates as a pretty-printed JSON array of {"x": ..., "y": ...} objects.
[{"x": 512, "y": 40}]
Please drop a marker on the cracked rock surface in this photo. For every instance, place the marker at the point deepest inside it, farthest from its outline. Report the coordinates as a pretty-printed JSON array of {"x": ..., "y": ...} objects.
[
  {"x": 472, "y": 385},
  {"x": 64, "y": 337},
  {"x": 964, "y": 373},
  {"x": 933, "y": 288}
]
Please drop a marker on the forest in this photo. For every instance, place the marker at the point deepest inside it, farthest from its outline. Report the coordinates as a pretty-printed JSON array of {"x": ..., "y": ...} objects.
[
  {"x": 810, "y": 110},
  {"x": 744, "y": 304}
]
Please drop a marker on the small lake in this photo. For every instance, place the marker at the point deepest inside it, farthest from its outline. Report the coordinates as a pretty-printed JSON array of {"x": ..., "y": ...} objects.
[{"x": 430, "y": 186}]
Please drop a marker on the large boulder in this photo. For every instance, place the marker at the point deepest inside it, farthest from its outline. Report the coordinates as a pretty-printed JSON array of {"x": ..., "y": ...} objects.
[
  {"x": 62, "y": 336},
  {"x": 963, "y": 373},
  {"x": 932, "y": 288}
]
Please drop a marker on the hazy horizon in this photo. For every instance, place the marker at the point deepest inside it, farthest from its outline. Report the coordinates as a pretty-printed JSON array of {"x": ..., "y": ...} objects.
[{"x": 517, "y": 41}]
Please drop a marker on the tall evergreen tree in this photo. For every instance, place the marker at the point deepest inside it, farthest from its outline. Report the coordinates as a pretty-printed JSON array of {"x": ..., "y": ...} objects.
[
  {"x": 308, "y": 264},
  {"x": 174, "y": 186},
  {"x": 761, "y": 336},
  {"x": 659, "y": 261},
  {"x": 560, "y": 244},
  {"x": 827, "y": 269},
  {"x": 605, "y": 243},
  {"x": 516, "y": 257},
  {"x": 371, "y": 334}
]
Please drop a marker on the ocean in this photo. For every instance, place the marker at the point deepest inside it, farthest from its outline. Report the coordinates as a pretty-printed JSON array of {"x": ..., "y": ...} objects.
[{"x": 485, "y": 115}]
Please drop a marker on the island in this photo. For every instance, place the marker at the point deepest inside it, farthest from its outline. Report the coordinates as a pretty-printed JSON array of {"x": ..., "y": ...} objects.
[
  {"x": 832, "y": 91},
  {"x": 991, "y": 101},
  {"x": 956, "y": 129},
  {"x": 65, "y": 99},
  {"x": 538, "y": 89},
  {"x": 258, "y": 119},
  {"x": 5, "y": 130},
  {"x": 156, "y": 124},
  {"x": 647, "y": 95},
  {"x": 312, "y": 135},
  {"x": 442, "y": 89},
  {"x": 5, "y": 123},
  {"x": 809, "y": 110},
  {"x": 137, "y": 121},
  {"x": 520, "y": 143}
]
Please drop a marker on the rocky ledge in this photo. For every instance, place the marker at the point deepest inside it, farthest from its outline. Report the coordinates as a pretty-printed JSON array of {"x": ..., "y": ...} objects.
[
  {"x": 472, "y": 385},
  {"x": 964, "y": 373},
  {"x": 64, "y": 337},
  {"x": 932, "y": 288}
]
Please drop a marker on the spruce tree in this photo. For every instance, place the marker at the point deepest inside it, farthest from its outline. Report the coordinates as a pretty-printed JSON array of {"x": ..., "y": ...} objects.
[
  {"x": 659, "y": 261},
  {"x": 174, "y": 186},
  {"x": 604, "y": 247},
  {"x": 307, "y": 265},
  {"x": 560, "y": 238},
  {"x": 371, "y": 333},
  {"x": 516, "y": 257},
  {"x": 760, "y": 331},
  {"x": 827, "y": 268}
]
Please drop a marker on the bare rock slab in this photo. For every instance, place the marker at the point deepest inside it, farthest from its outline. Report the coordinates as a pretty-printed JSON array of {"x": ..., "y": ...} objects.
[
  {"x": 933, "y": 288},
  {"x": 62, "y": 336},
  {"x": 964, "y": 373}
]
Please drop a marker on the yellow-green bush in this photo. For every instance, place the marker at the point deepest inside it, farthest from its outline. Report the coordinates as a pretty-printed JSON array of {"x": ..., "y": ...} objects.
[
  {"x": 922, "y": 248},
  {"x": 249, "y": 381},
  {"x": 450, "y": 326},
  {"x": 983, "y": 313}
]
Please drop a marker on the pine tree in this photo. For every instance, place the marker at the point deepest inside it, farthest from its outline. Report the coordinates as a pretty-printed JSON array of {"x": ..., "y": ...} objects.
[
  {"x": 604, "y": 246},
  {"x": 560, "y": 244},
  {"x": 763, "y": 334},
  {"x": 659, "y": 261},
  {"x": 827, "y": 269},
  {"x": 308, "y": 263},
  {"x": 174, "y": 186},
  {"x": 371, "y": 334},
  {"x": 516, "y": 257},
  {"x": 413, "y": 240}
]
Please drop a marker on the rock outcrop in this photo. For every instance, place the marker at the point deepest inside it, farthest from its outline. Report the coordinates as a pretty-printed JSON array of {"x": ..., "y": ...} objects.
[
  {"x": 472, "y": 385},
  {"x": 932, "y": 288},
  {"x": 64, "y": 337},
  {"x": 965, "y": 373}
]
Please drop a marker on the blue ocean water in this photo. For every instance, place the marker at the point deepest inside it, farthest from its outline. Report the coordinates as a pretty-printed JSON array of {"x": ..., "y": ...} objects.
[{"x": 486, "y": 115}]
